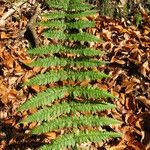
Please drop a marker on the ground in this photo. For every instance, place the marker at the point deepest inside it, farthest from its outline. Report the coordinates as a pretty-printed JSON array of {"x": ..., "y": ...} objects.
[{"x": 126, "y": 47}]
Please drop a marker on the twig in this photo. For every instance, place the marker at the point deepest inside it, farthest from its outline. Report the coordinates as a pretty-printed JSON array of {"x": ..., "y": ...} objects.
[
  {"x": 10, "y": 12},
  {"x": 30, "y": 32}
]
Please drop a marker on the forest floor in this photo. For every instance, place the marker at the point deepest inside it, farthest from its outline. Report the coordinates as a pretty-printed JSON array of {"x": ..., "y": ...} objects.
[{"x": 128, "y": 51}]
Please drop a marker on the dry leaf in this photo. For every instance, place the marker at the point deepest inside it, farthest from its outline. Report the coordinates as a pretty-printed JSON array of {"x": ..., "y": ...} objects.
[
  {"x": 51, "y": 135},
  {"x": 3, "y": 35}
]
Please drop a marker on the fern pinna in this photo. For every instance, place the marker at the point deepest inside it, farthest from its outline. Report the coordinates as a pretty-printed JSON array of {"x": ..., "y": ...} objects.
[{"x": 69, "y": 104}]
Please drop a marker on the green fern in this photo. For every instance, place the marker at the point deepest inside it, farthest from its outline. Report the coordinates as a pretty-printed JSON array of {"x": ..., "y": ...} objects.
[
  {"x": 64, "y": 106},
  {"x": 69, "y": 140},
  {"x": 58, "y": 34},
  {"x": 53, "y": 49},
  {"x": 62, "y": 15},
  {"x": 80, "y": 24},
  {"x": 55, "y": 61},
  {"x": 74, "y": 122},
  {"x": 44, "y": 98},
  {"x": 52, "y": 94},
  {"x": 60, "y": 75}
]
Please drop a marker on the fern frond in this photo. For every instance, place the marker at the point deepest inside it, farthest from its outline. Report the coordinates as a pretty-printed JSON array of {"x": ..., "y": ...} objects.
[
  {"x": 86, "y": 63},
  {"x": 53, "y": 24},
  {"x": 89, "y": 107},
  {"x": 51, "y": 61},
  {"x": 81, "y": 14},
  {"x": 70, "y": 140},
  {"x": 49, "y": 113},
  {"x": 64, "y": 108},
  {"x": 52, "y": 94},
  {"x": 55, "y": 15},
  {"x": 83, "y": 37},
  {"x": 94, "y": 136},
  {"x": 81, "y": 24},
  {"x": 74, "y": 5},
  {"x": 61, "y": 15},
  {"x": 91, "y": 93},
  {"x": 55, "y": 61},
  {"x": 44, "y": 98},
  {"x": 45, "y": 49},
  {"x": 60, "y": 75},
  {"x": 86, "y": 75},
  {"x": 66, "y": 140},
  {"x": 59, "y": 4},
  {"x": 55, "y": 34},
  {"x": 58, "y": 106},
  {"x": 75, "y": 121},
  {"x": 60, "y": 35},
  {"x": 59, "y": 48},
  {"x": 83, "y": 51},
  {"x": 55, "y": 124},
  {"x": 79, "y": 7},
  {"x": 48, "y": 77},
  {"x": 76, "y": 1}
]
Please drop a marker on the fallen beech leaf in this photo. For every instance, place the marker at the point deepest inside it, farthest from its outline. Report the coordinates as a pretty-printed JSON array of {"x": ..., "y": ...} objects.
[
  {"x": 12, "y": 94},
  {"x": 36, "y": 88},
  {"x": 51, "y": 135},
  {"x": 107, "y": 34},
  {"x": 129, "y": 88},
  {"x": 3, "y": 35},
  {"x": 4, "y": 99},
  {"x": 8, "y": 60},
  {"x": 12, "y": 141},
  {"x": 146, "y": 65},
  {"x": 84, "y": 83},
  {"x": 9, "y": 121},
  {"x": 121, "y": 62},
  {"x": 3, "y": 114},
  {"x": 119, "y": 147},
  {"x": 12, "y": 80},
  {"x": 32, "y": 125},
  {"x": 144, "y": 100},
  {"x": 33, "y": 110}
]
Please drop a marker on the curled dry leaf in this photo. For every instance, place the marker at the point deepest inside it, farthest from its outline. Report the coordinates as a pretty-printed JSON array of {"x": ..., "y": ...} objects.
[{"x": 51, "y": 135}]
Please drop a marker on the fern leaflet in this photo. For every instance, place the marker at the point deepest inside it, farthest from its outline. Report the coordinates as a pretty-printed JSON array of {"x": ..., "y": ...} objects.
[
  {"x": 75, "y": 121},
  {"x": 69, "y": 140},
  {"x": 52, "y": 49},
  {"x": 54, "y": 76}
]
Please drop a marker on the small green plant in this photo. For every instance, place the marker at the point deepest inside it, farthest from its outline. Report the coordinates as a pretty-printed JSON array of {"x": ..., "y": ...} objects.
[
  {"x": 138, "y": 18},
  {"x": 69, "y": 106}
]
